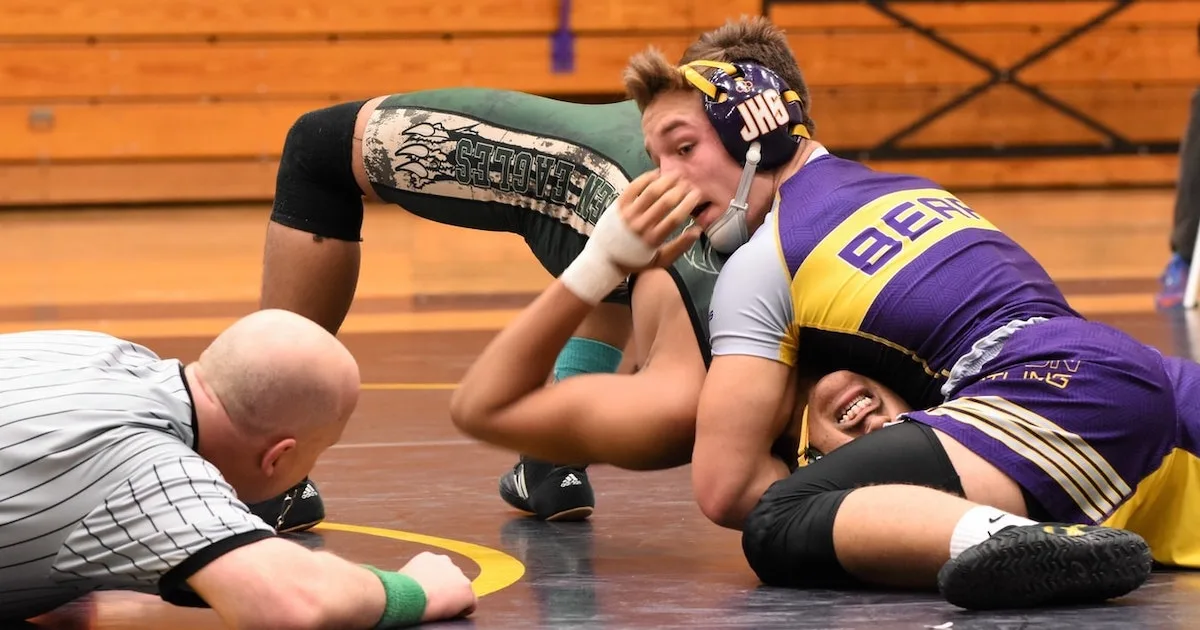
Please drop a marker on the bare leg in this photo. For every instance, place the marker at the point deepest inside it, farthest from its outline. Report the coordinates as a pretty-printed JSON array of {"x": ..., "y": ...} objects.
[
  {"x": 551, "y": 480},
  {"x": 920, "y": 535},
  {"x": 918, "y": 540},
  {"x": 309, "y": 275},
  {"x": 1033, "y": 565},
  {"x": 918, "y": 543}
]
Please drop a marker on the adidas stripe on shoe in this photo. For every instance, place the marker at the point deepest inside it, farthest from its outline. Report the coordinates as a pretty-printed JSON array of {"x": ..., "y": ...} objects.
[
  {"x": 299, "y": 509},
  {"x": 551, "y": 493}
]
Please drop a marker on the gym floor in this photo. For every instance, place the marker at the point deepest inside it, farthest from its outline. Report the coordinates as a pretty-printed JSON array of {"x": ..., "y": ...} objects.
[{"x": 403, "y": 480}]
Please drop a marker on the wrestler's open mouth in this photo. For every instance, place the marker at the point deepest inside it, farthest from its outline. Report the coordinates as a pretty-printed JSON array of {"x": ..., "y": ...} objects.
[{"x": 856, "y": 410}]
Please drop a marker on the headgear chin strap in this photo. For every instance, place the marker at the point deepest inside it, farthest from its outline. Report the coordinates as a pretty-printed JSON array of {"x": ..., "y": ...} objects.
[
  {"x": 805, "y": 453},
  {"x": 760, "y": 122},
  {"x": 730, "y": 231}
]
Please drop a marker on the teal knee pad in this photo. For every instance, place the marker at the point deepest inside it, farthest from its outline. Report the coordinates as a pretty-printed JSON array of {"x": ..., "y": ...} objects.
[{"x": 586, "y": 356}]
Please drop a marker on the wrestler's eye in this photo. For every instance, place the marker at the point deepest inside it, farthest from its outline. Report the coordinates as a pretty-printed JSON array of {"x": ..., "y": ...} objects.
[{"x": 684, "y": 149}]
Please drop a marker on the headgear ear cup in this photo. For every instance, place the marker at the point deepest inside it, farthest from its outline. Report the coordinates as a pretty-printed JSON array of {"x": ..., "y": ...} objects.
[
  {"x": 760, "y": 122},
  {"x": 747, "y": 103}
]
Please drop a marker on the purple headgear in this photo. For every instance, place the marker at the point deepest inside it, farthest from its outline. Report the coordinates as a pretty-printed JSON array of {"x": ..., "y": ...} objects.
[
  {"x": 747, "y": 103},
  {"x": 759, "y": 120}
]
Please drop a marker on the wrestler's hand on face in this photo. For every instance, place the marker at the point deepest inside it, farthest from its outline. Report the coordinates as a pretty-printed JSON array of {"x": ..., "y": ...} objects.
[
  {"x": 653, "y": 207},
  {"x": 632, "y": 235}
]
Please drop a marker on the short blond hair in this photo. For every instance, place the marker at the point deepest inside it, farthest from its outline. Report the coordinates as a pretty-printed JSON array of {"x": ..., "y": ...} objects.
[
  {"x": 649, "y": 75},
  {"x": 754, "y": 39}
]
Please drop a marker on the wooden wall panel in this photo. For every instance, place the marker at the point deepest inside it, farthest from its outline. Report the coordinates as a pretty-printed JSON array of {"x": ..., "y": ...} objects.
[
  {"x": 224, "y": 130},
  {"x": 166, "y": 18},
  {"x": 48, "y": 72},
  {"x": 161, "y": 18},
  {"x": 862, "y": 117},
  {"x": 148, "y": 131},
  {"x": 1002, "y": 116},
  {"x": 1035, "y": 13},
  {"x": 1145, "y": 113},
  {"x": 845, "y": 118},
  {"x": 92, "y": 85},
  {"x": 140, "y": 182},
  {"x": 1117, "y": 54},
  {"x": 1055, "y": 172},
  {"x": 982, "y": 15},
  {"x": 1001, "y": 14},
  {"x": 903, "y": 58},
  {"x": 254, "y": 180}
]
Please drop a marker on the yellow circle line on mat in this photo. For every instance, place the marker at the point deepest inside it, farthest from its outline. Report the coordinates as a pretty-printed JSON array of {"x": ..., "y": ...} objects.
[
  {"x": 410, "y": 386},
  {"x": 497, "y": 570}
]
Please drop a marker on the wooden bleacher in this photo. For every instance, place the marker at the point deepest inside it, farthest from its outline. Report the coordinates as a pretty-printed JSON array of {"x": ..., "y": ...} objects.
[{"x": 112, "y": 101}]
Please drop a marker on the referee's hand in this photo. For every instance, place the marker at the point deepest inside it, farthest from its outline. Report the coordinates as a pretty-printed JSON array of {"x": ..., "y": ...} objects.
[{"x": 448, "y": 592}]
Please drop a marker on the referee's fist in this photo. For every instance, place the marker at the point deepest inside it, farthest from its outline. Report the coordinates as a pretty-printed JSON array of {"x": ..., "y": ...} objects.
[{"x": 448, "y": 592}]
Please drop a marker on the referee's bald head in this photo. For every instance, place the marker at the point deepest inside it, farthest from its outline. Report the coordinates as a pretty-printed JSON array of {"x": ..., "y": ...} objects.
[
  {"x": 277, "y": 391},
  {"x": 277, "y": 372}
]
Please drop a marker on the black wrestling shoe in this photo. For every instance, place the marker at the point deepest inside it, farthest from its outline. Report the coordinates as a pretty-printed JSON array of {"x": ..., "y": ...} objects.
[
  {"x": 547, "y": 491},
  {"x": 298, "y": 509},
  {"x": 1044, "y": 565}
]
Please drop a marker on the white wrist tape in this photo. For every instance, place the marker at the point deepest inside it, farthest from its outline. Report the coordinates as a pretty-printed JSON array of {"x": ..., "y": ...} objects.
[
  {"x": 619, "y": 243},
  {"x": 612, "y": 245},
  {"x": 591, "y": 276}
]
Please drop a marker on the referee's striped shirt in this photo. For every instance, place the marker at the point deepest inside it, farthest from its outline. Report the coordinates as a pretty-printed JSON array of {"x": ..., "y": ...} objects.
[{"x": 100, "y": 484}]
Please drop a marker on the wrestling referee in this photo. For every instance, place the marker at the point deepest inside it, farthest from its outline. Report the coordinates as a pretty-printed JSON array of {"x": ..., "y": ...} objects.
[{"x": 123, "y": 471}]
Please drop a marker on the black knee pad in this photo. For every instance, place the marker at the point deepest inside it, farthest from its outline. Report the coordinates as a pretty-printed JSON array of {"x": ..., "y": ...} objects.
[
  {"x": 315, "y": 189},
  {"x": 788, "y": 537}
]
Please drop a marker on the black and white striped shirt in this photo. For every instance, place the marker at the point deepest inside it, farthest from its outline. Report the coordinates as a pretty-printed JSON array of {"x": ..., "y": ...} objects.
[{"x": 101, "y": 487}]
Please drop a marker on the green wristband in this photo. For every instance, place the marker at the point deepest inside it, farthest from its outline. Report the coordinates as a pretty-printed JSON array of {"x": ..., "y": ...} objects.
[{"x": 405, "y": 599}]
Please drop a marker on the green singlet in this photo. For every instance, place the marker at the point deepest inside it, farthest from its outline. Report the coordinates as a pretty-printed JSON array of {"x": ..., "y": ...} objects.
[{"x": 512, "y": 162}]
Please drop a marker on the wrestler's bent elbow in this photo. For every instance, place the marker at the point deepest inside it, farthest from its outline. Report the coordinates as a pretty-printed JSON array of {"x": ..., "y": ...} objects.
[{"x": 469, "y": 415}]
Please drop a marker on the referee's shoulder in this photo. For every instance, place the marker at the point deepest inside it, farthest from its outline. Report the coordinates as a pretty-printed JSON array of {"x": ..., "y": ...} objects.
[
  {"x": 70, "y": 342},
  {"x": 80, "y": 336}
]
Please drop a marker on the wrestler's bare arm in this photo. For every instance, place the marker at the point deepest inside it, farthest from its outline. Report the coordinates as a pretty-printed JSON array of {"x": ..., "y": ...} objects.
[{"x": 746, "y": 403}]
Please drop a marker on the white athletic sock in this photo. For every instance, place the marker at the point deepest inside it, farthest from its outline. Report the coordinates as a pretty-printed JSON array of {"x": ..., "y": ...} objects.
[{"x": 979, "y": 524}]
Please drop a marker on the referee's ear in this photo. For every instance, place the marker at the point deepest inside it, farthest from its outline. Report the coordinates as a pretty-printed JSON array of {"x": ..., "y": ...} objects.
[{"x": 278, "y": 457}]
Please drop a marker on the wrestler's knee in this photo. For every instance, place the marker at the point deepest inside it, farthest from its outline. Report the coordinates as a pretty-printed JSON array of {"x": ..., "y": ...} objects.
[
  {"x": 315, "y": 187},
  {"x": 788, "y": 537}
]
